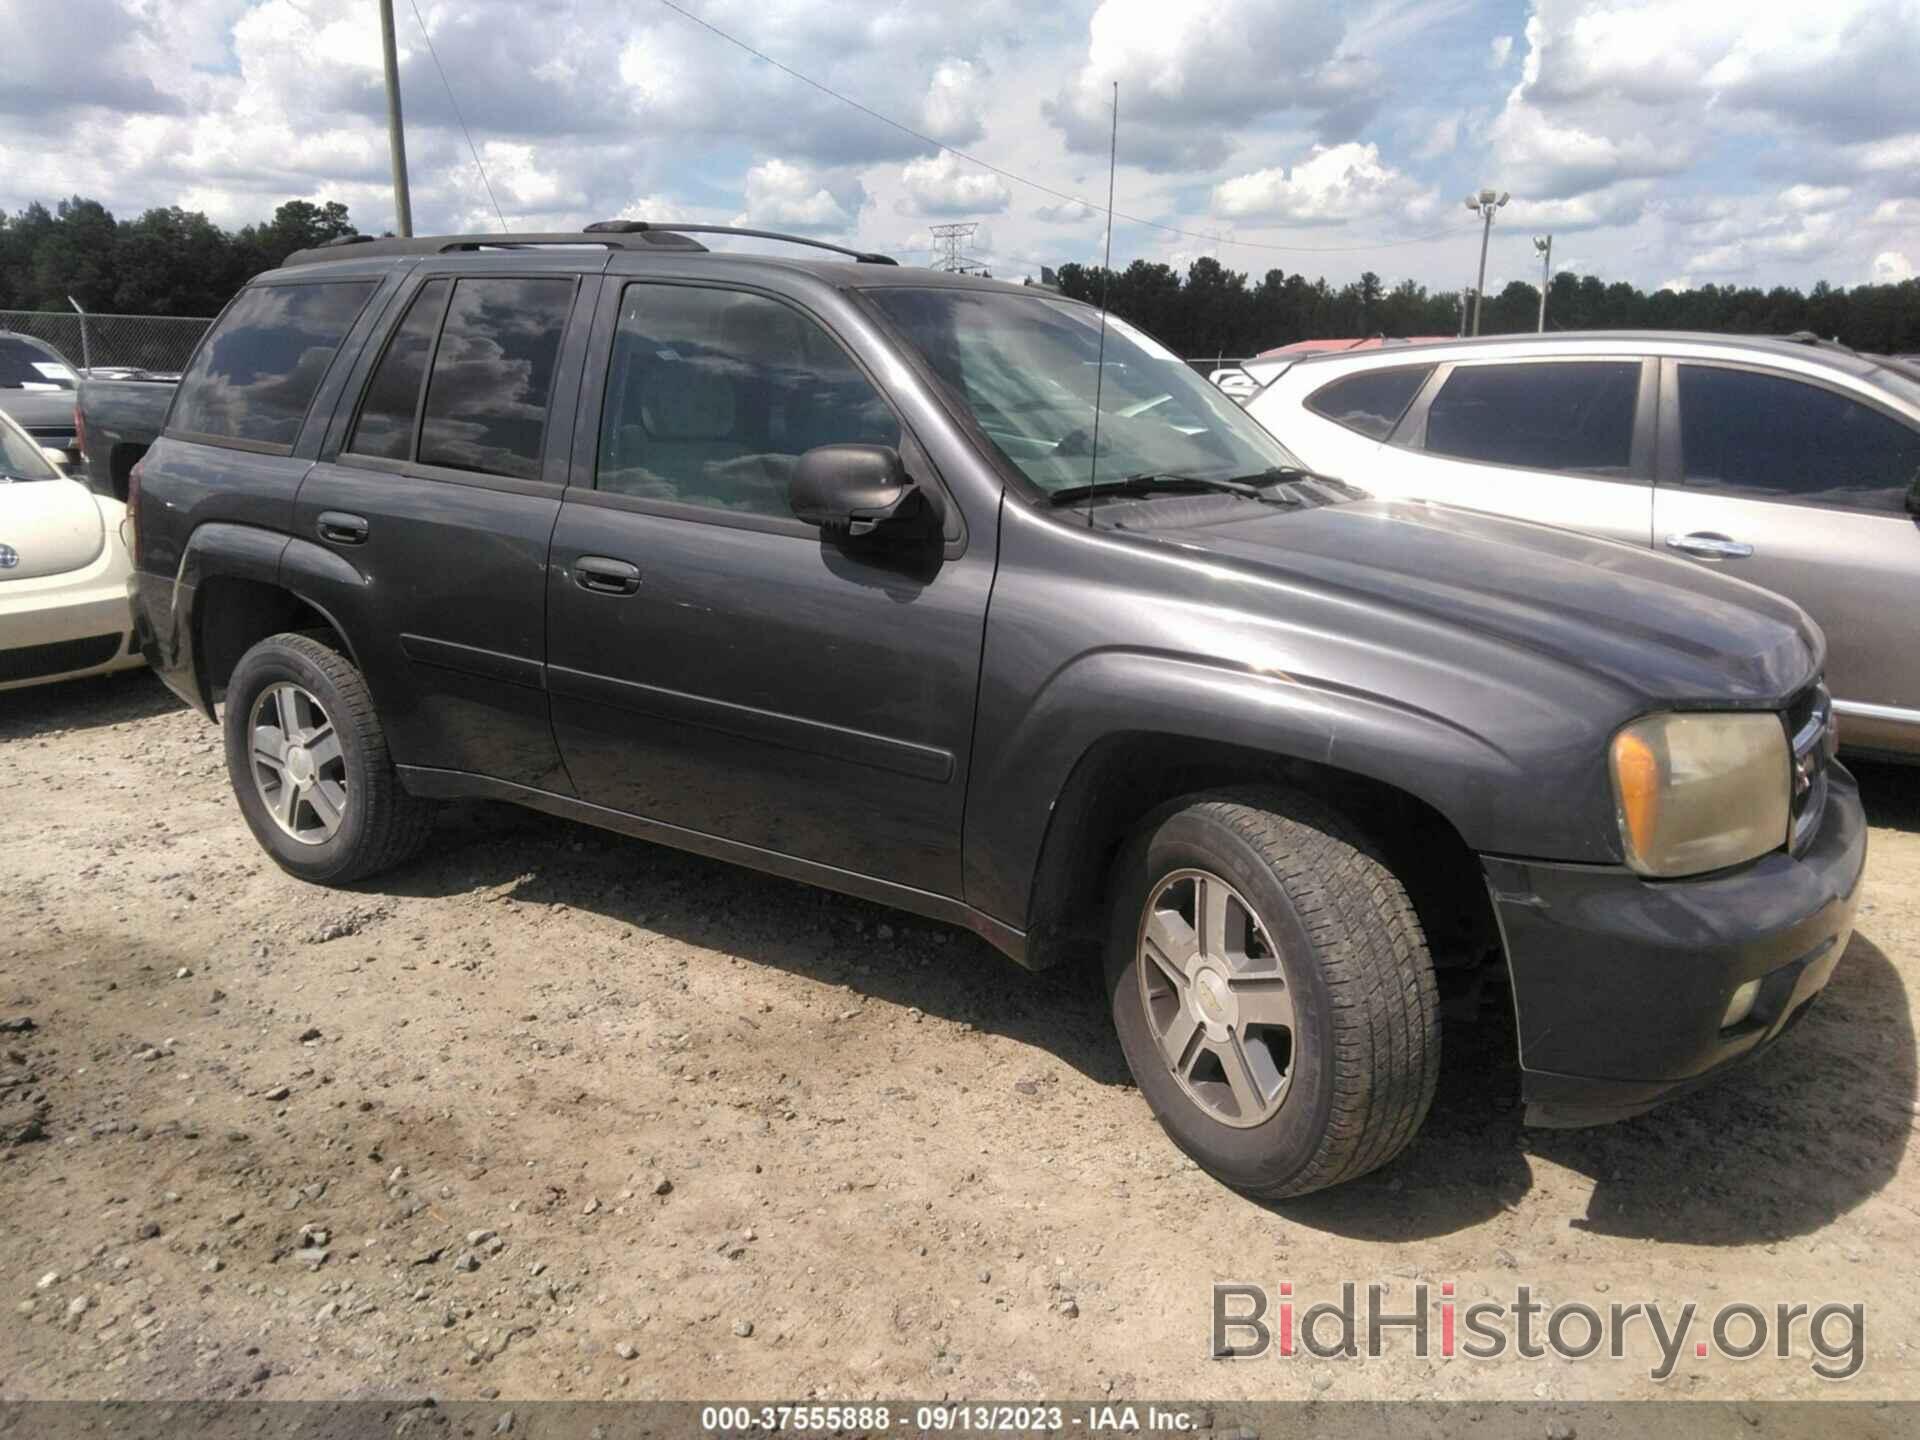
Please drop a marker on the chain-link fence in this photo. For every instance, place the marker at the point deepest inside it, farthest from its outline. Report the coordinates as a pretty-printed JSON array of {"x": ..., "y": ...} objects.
[{"x": 134, "y": 342}]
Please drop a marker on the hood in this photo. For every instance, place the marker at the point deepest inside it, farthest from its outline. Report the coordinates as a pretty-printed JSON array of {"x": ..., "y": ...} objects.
[
  {"x": 49, "y": 526},
  {"x": 1664, "y": 629}
]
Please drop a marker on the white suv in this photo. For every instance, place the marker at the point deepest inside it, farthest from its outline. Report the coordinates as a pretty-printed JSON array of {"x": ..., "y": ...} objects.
[{"x": 1791, "y": 463}]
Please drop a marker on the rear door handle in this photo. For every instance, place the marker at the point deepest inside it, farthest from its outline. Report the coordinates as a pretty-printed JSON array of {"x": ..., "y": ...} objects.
[
  {"x": 604, "y": 576},
  {"x": 341, "y": 528},
  {"x": 1704, "y": 546}
]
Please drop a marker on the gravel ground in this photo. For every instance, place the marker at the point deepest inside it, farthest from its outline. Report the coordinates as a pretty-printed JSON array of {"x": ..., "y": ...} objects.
[{"x": 554, "y": 1113}]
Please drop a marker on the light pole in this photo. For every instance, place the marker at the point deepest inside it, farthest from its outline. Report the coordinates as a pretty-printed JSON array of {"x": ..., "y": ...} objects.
[
  {"x": 1486, "y": 202},
  {"x": 1544, "y": 244}
]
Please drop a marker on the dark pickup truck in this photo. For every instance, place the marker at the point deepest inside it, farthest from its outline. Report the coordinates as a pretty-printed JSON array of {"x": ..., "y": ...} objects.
[
  {"x": 115, "y": 420},
  {"x": 960, "y": 597}
]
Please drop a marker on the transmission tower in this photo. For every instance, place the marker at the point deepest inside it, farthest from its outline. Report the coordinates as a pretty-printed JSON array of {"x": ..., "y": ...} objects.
[{"x": 949, "y": 248}]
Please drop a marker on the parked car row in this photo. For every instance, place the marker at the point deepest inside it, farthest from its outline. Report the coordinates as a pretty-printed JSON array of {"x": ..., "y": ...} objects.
[
  {"x": 1791, "y": 464},
  {"x": 961, "y": 597}
]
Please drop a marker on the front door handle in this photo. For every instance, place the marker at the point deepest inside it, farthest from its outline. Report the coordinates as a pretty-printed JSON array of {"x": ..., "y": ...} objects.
[
  {"x": 1705, "y": 546},
  {"x": 341, "y": 528},
  {"x": 604, "y": 576}
]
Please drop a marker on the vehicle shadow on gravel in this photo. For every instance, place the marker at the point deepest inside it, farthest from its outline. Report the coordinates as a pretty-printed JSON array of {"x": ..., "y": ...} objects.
[
  {"x": 1890, "y": 792},
  {"x": 1779, "y": 1148},
  {"x": 876, "y": 952},
  {"x": 83, "y": 704}
]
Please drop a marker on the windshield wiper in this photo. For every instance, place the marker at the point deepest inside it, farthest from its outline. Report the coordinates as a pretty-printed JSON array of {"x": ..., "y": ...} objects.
[{"x": 1150, "y": 483}]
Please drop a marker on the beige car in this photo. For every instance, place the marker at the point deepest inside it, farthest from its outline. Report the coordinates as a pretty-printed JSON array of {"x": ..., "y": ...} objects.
[
  {"x": 1787, "y": 462},
  {"x": 63, "y": 571}
]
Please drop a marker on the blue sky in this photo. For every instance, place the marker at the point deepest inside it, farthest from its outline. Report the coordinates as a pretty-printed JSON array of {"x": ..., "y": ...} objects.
[{"x": 1660, "y": 143}]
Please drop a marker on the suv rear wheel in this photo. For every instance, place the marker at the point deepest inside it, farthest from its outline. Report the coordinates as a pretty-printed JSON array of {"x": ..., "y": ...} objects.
[
  {"x": 309, "y": 765},
  {"x": 1272, "y": 991}
]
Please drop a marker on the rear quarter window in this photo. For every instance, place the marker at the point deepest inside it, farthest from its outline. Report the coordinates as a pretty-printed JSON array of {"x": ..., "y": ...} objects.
[
  {"x": 1371, "y": 402},
  {"x": 256, "y": 374}
]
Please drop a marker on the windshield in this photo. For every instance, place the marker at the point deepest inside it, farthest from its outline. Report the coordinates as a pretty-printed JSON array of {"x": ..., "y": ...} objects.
[
  {"x": 28, "y": 367},
  {"x": 1028, "y": 367},
  {"x": 20, "y": 458}
]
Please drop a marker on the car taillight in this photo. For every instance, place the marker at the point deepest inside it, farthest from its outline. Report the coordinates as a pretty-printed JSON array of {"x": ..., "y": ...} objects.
[
  {"x": 130, "y": 527},
  {"x": 80, "y": 432}
]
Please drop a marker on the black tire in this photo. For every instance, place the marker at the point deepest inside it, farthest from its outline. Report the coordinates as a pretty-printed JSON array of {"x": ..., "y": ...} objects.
[
  {"x": 1366, "y": 1036},
  {"x": 381, "y": 825}
]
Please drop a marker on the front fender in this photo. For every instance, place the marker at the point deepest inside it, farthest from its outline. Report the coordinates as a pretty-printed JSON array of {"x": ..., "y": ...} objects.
[{"x": 1464, "y": 775}]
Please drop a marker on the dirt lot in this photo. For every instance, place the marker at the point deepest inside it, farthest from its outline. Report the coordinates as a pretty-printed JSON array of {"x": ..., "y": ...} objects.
[{"x": 556, "y": 1113}]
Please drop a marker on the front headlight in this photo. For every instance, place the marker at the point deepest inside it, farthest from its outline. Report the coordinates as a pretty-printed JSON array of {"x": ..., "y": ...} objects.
[{"x": 1701, "y": 792}]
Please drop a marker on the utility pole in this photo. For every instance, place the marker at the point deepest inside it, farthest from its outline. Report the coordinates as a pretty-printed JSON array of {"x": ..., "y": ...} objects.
[
  {"x": 1544, "y": 244},
  {"x": 1486, "y": 203},
  {"x": 951, "y": 247},
  {"x": 396, "y": 133}
]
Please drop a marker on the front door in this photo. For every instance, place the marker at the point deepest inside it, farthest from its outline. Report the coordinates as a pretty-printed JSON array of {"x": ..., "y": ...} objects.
[
  {"x": 437, "y": 492},
  {"x": 1562, "y": 442},
  {"x": 1802, "y": 488},
  {"x": 719, "y": 666}
]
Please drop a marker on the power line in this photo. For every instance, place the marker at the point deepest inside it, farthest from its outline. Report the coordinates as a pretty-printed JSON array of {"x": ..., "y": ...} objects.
[
  {"x": 434, "y": 56},
  {"x": 1019, "y": 179}
]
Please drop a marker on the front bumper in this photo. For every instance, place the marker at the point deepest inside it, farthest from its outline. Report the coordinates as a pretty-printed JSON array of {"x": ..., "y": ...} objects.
[
  {"x": 60, "y": 627},
  {"x": 1620, "y": 983}
]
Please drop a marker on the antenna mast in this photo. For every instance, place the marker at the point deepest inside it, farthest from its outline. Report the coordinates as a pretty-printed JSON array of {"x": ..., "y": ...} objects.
[{"x": 1106, "y": 281}]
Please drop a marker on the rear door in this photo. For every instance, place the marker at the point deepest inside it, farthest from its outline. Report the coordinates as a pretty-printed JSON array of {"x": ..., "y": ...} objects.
[
  {"x": 434, "y": 501},
  {"x": 1563, "y": 441},
  {"x": 721, "y": 667},
  {"x": 1800, "y": 486}
]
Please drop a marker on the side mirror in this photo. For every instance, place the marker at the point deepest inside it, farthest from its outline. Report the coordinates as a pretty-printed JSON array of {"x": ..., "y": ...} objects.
[
  {"x": 55, "y": 457},
  {"x": 860, "y": 490}
]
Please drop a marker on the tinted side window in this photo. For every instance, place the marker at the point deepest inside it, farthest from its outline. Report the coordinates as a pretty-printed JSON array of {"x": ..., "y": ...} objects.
[
  {"x": 493, "y": 375},
  {"x": 255, "y": 375},
  {"x": 1575, "y": 415},
  {"x": 712, "y": 395},
  {"x": 387, "y": 411},
  {"x": 1779, "y": 439},
  {"x": 1371, "y": 402}
]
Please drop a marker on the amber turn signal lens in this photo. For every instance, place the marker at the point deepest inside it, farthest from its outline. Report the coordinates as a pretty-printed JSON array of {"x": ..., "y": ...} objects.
[{"x": 1637, "y": 782}]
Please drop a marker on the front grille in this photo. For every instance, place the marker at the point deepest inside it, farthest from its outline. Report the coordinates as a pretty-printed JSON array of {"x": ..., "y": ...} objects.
[
  {"x": 1809, "y": 720},
  {"x": 34, "y": 662}
]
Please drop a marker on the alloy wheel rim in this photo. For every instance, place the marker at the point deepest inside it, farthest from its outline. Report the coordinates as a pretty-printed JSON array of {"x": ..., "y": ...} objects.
[
  {"x": 1216, "y": 998},
  {"x": 297, "y": 763}
]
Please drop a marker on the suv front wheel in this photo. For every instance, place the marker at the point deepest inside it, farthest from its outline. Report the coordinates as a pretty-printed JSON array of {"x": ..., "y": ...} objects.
[
  {"x": 1272, "y": 991},
  {"x": 309, "y": 764}
]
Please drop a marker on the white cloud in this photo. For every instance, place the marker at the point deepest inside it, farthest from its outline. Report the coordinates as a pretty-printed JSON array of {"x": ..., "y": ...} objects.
[
  {"x": 1541, "y": 156},
  {"x": 1812, "y": 199},
  {"x": 1442, "y": 138},
  {"x": 1890, "y": 267},
  {"x": 1335, "y": 183},
  {"x": 781, "y": 196},
  {"x": 956, "y": 102},
  {"x": 1191, "y": 76},
  {"x": 1500, "y": 52},
  {"x": 943, "y": 185}
]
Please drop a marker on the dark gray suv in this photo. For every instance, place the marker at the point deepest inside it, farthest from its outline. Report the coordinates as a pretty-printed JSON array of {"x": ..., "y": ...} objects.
[{"x": 944, "y": 593}]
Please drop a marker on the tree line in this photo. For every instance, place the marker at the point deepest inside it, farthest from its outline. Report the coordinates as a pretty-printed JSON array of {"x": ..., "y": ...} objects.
[
  {"x": 170, "y": 261},
  {"x": 1214, "y": 311},
  {"x": 167, "y": 261}
]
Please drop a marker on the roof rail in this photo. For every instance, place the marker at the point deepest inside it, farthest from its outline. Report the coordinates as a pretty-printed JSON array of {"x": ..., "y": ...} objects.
[
  {"x": 366, "y": 247},
  {"x": 629, "y": 227},
  {"x": 612, "y": 234}
]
